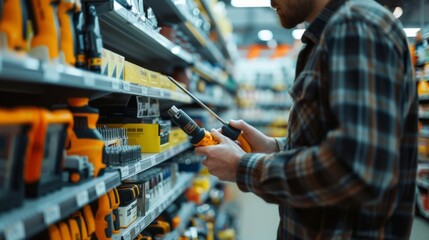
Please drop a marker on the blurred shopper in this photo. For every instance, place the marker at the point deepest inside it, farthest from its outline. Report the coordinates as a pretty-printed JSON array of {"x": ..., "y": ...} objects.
[{"x": 347, "y": 168}]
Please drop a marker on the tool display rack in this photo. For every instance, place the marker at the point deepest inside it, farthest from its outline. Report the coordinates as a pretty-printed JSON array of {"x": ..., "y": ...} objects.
[
  {"x": 423, "y": 161},
  {"x": 24, "y": 80}
]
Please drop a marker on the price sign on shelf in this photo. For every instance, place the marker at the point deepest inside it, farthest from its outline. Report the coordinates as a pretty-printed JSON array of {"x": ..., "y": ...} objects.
[
  {"x": 51, "y": 214},
  {"x": 82, "y": 198},
  {"x": 115, "y": 84},
  {"x": 88, "y": 80},
  {"x": 125, "y": 171},
  {"x": 15, "y": 231},
  {"x": 138, "y": 167},
  {"x": 100, "y": 188},
  {"x": 51, "y": 73},
  {"x": 126, "y": 86}
]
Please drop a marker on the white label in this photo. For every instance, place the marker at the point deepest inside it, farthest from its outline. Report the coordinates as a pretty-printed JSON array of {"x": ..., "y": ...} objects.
[
  {"x": 50, "y": 73},
  {"x": 125, "y": 172},
  {"x": 127, "y": 236},
  {"x": 51, "y": 214},
  {"x": 82, "y": 198},
  {"x": 15, "y": 231},
  {"x": 153, "y": 161},
  {"x": 138, "y": 167},
  {"x": 88, "y": 80},
  {"x": 144, "y": 91},
  {"x": 142, "y": 225},
  {"x": 100, "y": 189},
  {"x": 126, "y": 86},
  {"x": 115, "y": 84}
]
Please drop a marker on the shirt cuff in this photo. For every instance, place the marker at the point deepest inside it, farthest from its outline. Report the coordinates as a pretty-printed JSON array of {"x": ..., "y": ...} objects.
[
  {"x": 249, "y": 171},
  {"x": 281, "y": 143}
]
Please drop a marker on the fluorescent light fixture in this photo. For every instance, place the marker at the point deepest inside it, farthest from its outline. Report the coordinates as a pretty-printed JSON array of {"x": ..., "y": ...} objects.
[
  {"x": 265, "y": 35},
  {"x": 297, "y": 33},
  {"x": 251, "y": 3},
  {"x": 398, "y": 12},
  {"x": 411, "y": 32}
]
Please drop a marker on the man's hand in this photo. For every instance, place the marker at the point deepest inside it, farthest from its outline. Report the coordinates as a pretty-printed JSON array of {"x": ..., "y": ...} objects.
[
  {"x": 222, "y": 159},
  {"x": 259, "y": 142}
]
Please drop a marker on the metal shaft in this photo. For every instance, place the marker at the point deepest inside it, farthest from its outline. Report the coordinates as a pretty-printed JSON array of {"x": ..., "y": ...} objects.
[{"x": 198, "y": 101}]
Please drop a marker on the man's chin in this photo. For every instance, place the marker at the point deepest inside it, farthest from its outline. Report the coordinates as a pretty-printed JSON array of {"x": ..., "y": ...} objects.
[{"x": 288, "y": 23}]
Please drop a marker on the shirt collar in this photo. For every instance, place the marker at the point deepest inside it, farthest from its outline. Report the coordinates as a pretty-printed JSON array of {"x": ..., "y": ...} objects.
[{"x": 314, "y": 31}]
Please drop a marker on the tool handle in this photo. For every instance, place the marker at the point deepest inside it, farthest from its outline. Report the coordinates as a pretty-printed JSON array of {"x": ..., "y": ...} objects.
[
  {"x": 235, "y": 134},
  {"x": 244, "y": 144}
]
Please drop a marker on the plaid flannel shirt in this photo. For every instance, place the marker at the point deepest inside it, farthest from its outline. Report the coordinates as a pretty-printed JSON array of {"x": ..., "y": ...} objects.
[{"x": 348, "y": 166}]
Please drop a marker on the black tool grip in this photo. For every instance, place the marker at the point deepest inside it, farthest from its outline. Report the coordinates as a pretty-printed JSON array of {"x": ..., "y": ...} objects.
[{"x": 231, "y": 132}]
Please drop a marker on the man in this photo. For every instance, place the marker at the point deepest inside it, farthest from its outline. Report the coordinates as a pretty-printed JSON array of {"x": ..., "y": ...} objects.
[{"x": 348, "y": 166}]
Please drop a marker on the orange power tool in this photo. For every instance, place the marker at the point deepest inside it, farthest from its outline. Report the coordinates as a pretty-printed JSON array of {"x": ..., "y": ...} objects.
[
  {"x": 66, "y": 11},
  {"x": 13, "y": 23},
  {"x": 227, "y": 130}
]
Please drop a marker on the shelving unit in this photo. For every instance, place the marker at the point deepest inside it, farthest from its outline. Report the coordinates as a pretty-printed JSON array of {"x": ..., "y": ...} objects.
[
  {"x": 167, "y": 11},
  {"x": 36, "y": 215},
  {"x": 28, "y": 81},
  {"x": 183, "y": 182},
  {"x": 30, "y": 75}
]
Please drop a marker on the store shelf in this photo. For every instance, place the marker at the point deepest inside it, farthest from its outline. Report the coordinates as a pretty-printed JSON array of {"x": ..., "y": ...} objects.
[
  {"x": 151, "y": 160},
  {"x": 266, "y": 121},
  {"x": 221, "y": 38},
  {"x": 166, "y": 11},
  {"x": 185, "y": 213},
  {"x": 36, "y": 215},
  {"x": 130, "y": 35},
  {"x": 28, "y": 75},
  {"x": 183, "y": 182}
]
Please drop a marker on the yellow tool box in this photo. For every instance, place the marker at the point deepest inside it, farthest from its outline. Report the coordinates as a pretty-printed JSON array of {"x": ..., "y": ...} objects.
[
  {"x": 152, "y": 137},
  {"x": 136, "y": 74}
]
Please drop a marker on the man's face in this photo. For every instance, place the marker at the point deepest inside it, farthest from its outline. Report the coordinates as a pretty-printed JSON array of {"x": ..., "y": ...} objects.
[{"x": 292, "y": 12}]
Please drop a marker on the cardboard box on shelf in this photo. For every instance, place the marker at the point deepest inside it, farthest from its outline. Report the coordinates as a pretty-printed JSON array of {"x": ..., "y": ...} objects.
[{"x": 152, "y": 137}]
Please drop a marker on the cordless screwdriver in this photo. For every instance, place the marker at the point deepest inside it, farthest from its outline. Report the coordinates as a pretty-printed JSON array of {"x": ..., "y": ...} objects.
[
  {"x": 200, "y": 136},
  {"x": 227, "y": 129}
]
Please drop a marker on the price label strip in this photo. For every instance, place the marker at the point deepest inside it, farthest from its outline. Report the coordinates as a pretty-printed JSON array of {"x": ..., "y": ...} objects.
[{"x": 51, "y": 214}]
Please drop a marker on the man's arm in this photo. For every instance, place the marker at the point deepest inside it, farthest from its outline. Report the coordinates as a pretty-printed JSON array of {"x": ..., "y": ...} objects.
[{"x": 358, "y": 161}]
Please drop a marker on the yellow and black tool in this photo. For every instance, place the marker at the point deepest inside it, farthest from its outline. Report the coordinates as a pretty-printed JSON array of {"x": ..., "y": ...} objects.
[
  {"x": 66, "y": 11},
  {"x": 114, "y": 200},
  {"x": 45, "y": 26},
  {"x": 227, "y": 130},
  {"x": 79, "y": 30},
  {"x": 102, "y": 210},
  {"x": 13, "y": 23},
  {"x": 85, "y": 139},
  {"x": 200, "y": 136},
  {"x": 94, "y": 42}
]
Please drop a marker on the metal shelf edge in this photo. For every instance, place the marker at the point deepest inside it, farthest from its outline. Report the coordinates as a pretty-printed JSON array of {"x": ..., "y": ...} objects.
[{"x": 32, "y": 215}]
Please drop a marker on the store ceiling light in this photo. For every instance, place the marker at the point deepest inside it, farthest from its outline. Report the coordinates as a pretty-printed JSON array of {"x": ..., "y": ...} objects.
[
  {"x": 265, "y": 35},
  {"x": 398, "y": 12},
  {"x": 251, "y": 3},
  {"x": 297, "y": 33},
  {"x": 411, "y": 32}
]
